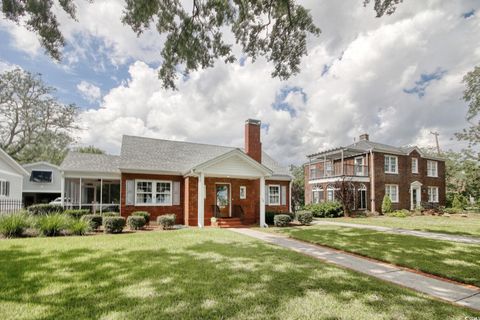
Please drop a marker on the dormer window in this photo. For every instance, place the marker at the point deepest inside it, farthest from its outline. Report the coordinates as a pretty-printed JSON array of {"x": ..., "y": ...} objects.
[{"x": 41, "y": 176}]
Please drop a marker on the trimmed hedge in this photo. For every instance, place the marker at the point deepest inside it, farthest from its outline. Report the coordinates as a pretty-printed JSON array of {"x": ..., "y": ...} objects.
[
  {"x": 113, "y": 224},
  {"x": 136, "y": 222},
  {"x": 52, "y": 225},
  {"x": 329, "y": 209},
  {"x": 143, "y": 214},
  {"x": 94, "y": 220},
  {"x": 44, "y": 209},
  {"x": 399, "y": 213},
  {"x": 76, "y": 213},
  {"x": 13, "y": 224},
  {"x": 281, "y": 220},
  {"x": 305, "y": 217},
  {"x": 166, "y": 221},
  {"x": 270, "y": 215}
]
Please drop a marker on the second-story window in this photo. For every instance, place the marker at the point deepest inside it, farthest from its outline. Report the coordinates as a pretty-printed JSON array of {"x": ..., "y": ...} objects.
[
  {"x": 414, "y": 165},
  {"x": 391, "y": 164},
  {"x": 432, "y": 168},
  {"x": 329, "y": 168},
  {"x": 313, "y": 173}
]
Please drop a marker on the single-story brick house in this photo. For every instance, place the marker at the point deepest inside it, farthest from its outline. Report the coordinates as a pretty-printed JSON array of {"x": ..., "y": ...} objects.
[{"x": 192, "y": 180}]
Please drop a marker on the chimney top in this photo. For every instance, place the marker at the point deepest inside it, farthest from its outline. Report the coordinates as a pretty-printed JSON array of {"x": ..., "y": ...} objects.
[
  {"x": 253, "y": 121},
  {"x": 364, "y": 137}
]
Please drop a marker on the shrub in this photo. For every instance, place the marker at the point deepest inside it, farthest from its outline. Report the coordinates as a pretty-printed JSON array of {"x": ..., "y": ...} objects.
[
  {"x": 79, "y": 227},
  {"x": 111, "y": 214},
  {"x": 51, "y": 225},
  {"x": 305, "y": 217},
  {"x": 94, "y": 220},
  {"x": 113, "y": 224},
  {"x": 386, "y": 205},
  {"x": 143, "y": 214},
  {"x": 459, "y": 202},
  {"x": 167, "y": 221},
  {"x": 136, "y": 222},
  {"x": 76, "y": 213},
  {"x": 13, "y": 224},
  {"x": 399, "y": 213},
  {"x": 329, "y": 209},
  {"x": 281, "y": 220},
  {"x": 44, "y": 209}
]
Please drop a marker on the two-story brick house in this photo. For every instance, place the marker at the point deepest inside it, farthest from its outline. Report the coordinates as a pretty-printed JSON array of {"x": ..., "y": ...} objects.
[{"x": 410, "y": 177}]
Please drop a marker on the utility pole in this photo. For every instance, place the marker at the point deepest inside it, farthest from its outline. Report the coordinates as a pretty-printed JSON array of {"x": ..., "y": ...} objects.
[{"x": 436, "y": 134}]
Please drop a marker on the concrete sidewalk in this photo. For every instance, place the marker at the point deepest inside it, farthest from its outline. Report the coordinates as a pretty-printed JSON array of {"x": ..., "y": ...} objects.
[
  {"x": 422, "y": 234},
  {"x": 461, "y": 294}
]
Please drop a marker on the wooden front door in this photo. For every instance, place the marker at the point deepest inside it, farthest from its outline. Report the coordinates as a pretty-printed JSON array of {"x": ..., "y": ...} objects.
[{"x": 222, "y": 199}]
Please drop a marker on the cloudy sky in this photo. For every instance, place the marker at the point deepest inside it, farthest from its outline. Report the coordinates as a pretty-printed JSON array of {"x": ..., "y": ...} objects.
[{"x": 397, "y": 78}]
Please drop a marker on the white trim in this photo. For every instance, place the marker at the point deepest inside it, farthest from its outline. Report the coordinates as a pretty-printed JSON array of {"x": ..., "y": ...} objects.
[
  {"x": 362, "y": 188},
  {"x": 38, "y": 183},
  {"x": 279, "y": 195},
  {"x": 153, "y": 193},
  {"x": 93, "y": 175},
  {"x": 45, "y": 163},
  {"x": 201, "y": 201},
  {"x": 159, "y": 172},
  {"x": 417, "y": 186},
  {"x": 289, "y": 198},
  {"x": 436, "y": 169},
  {"x": 436, "y": 193},
  {"x": 335, "y": 179},
  {"x": 244, "y": 194},
  {"x": 262, "y": 203},
  {"x": 14, "y": 164},
  {"x": 42, "y": 191},
  {"x": 416, "y": 165},
  {"x": 398, "y": 191},
  {"x": 389, "y": 164}
]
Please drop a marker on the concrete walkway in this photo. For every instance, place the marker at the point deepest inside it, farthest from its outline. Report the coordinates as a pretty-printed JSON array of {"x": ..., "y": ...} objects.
[
  {"x": 422, "y": 234},
  {"x": 461, "y": 294}
]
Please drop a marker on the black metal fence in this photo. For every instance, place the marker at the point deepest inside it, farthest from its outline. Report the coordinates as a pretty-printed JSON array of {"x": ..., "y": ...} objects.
[{"x": 10, "y": 205}]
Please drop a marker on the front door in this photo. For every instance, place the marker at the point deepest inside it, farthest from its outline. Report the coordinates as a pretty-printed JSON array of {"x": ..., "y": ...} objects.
[
  {"x": 415, "y": 198},
  {"x": 223, "y": 199}
]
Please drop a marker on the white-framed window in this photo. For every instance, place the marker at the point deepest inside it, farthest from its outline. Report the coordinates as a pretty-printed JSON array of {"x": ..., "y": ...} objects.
[
  {"x": 41, "y": 176},
  {"x": 433, "y": 194},
  {"x": 329, "y": 168},
  {"x": 391, "y": 164},
  {"x": 432, "y": 168},
  {"x": 362, "y": 197},
  {"x": 391, "y": 190},
  {"x": 317, "y": 195},
  {"x": 274, "y": 195},
  {"x": 243, "y": 192},
  {"x": 4, "y": 188},
  {"x": 414, "y": 165},
  {"x": 359, "y": 166},
  {"x": 330, "y": 193},
  {"x": 153, "y": 192},
  {"x": 313, "y": 172}
]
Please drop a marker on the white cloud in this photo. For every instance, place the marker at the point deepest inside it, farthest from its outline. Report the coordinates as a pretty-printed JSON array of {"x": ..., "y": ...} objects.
[
  {"x": 89, "y": 91},
  {"x": 22, "y": 39}
]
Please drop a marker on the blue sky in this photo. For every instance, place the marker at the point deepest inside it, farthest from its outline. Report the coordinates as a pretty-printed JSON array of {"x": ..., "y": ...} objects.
[{"x": 397, "y": 78}]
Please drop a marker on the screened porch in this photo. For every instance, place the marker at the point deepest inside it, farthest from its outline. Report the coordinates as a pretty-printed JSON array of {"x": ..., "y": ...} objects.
[{"x": 97, "y": 195}]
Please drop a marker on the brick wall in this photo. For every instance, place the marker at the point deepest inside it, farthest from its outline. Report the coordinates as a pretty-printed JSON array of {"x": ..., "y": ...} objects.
[
  {"x": 280, "y": 208},
  {"x": 154, "y": 211}
]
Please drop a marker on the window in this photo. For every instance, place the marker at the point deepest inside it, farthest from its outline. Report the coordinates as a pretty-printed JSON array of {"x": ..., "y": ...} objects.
[
  {"x": 414, "y": 165},
  {"x": 432, "y": 168},
  {"x": 243, "y": 192},
  {"x": 317, "y": 195},
  {"x": 362, "y": 197},
  {"x": 330, "y": 193},
  {"x": 433, "y": 194},
  {"x": 391, "y": 190},
  {"x": 313, "y": 173},
  {"x": 39, "y": 176},
  {"x": 4, "y": 188},
  {"x": 359, "y": 166},
  {"x": 274, "y": 194},
  {"x": 153, "y": 193},
  {"x": 391, "y": 164},
  {"x": 329, "y": 168}
]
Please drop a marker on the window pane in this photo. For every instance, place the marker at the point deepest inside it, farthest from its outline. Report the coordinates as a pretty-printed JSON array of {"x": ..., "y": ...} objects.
[
  {"x": 144, "y": 198},
  {"x": 41, "y": 176},
  {"x": 163, "y": 198},
  {"x": 144, "y": 186},
  {"x": 163, "y": 187}
]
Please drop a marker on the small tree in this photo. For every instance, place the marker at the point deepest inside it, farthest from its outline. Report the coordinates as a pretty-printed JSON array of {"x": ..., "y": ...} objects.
[
  {"x": 345, "y": 194},
  {"x": 386, "y": 204},
  {"x": 458, "y": 202},
  {"x": 298, "y": 186}
]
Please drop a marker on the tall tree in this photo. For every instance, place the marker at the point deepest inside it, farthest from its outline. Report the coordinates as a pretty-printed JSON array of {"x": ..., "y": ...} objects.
[
  {"x": 89, "y": 149},
  {"x": 471, "y": 95},
  {"x": 462, "y": 175},
  {"x": 34, "y": 126},
  {"x": 196, "y": 35},
  {"x": 298, "y": 186}
]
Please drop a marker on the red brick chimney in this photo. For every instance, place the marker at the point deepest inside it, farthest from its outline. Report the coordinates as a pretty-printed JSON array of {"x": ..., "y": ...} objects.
[{"x": 253, "y": 146}]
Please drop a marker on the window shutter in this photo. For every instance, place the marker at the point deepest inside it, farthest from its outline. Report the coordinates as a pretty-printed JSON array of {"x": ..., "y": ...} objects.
[
  {"x": 130, "y": 192},
  {"x": 176, "y": 193},
  {"x": 267, "y": 195},
  {"x": 7, "y": 188},
  {"x": 284, "y": 196}
]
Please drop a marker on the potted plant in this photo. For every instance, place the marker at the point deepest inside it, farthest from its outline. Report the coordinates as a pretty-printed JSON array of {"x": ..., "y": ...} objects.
[{"x": 213, "y": 222}]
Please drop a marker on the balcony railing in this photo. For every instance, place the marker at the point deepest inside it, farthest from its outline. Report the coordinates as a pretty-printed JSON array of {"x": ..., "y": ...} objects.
[{"x": 349, "y": 170}]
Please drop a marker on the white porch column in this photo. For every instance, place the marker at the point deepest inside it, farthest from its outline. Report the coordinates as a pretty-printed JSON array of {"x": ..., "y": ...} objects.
[
  {"x": 80, "y": 195},
  {"x": 101, "y": 194},
  {"x": 201, "y": 200},
  {"x": 290, "y": 196},
  {"x": 262, "y": 202},
  {"x": 343, "y": 167},
  {"x": 62, "y": 191}
]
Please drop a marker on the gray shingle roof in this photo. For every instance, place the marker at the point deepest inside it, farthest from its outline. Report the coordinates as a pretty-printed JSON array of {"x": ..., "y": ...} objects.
[
  {"x": 367, "y": 145},
  {"x": 88, "y": 162}
]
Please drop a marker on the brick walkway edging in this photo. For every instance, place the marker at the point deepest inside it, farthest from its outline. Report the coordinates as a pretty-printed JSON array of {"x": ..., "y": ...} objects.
[{"x": 465, "y": 295}]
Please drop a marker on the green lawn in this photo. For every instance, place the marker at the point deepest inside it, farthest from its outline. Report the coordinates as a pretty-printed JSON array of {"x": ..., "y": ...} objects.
[
  {"x": 192, "y": 274},
  {"x": 455, "y": 224},
  {"x": 455, "y": 261}
]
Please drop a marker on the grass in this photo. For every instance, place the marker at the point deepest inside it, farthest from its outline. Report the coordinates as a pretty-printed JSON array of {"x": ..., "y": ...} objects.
[
  {"x": 452, "y": 225},
  {"x": 192, "y": 274},
  {"x": 456, "y": 261}
]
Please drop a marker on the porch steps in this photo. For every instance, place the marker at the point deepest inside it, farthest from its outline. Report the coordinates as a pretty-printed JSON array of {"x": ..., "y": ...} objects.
[{"x": 230, "y": 223}]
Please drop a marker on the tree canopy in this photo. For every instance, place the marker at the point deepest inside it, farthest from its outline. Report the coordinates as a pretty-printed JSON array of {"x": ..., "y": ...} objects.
[
  {"x": 34, "y": 126},
  {"x": 196, "y": 34},
  {"x": 89, "y": 149}
]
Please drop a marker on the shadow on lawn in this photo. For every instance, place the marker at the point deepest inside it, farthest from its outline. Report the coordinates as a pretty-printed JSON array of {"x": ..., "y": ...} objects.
[
  {"x": 207, "y": 280},
  {"x": 457, "y": 261}
]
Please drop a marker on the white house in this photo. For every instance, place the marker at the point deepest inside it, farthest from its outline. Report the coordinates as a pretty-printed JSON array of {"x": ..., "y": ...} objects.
[
  {"x": 44, "y": 183},
  {"x": 11, "y": 178}
]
